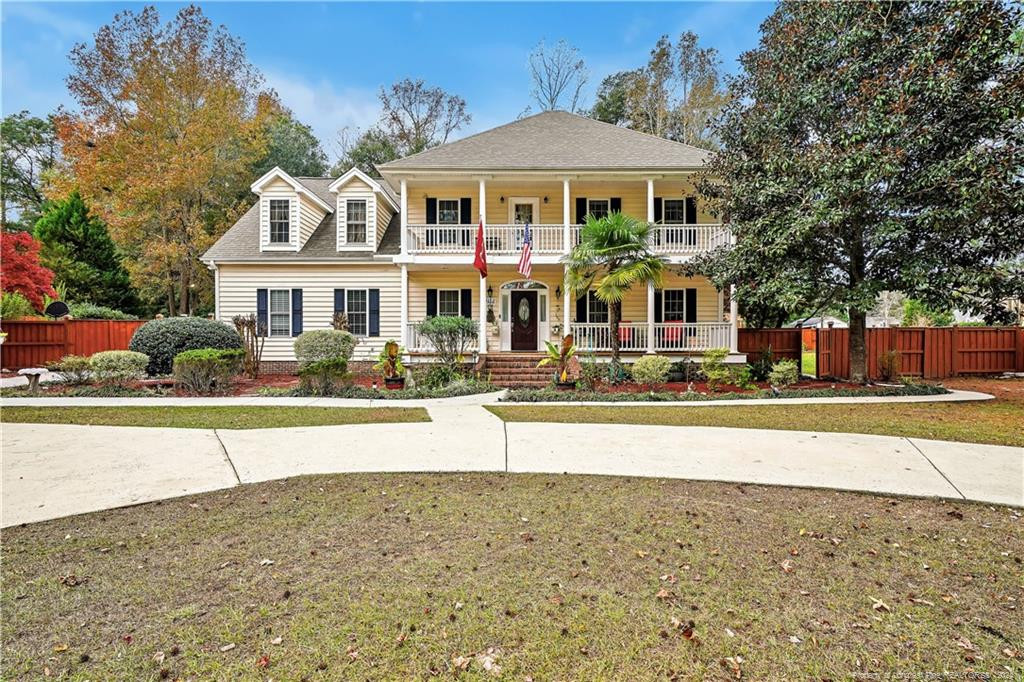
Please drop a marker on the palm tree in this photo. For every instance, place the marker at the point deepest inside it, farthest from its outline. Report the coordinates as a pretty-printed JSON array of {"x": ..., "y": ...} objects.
[{"x": 615, "y": 253}]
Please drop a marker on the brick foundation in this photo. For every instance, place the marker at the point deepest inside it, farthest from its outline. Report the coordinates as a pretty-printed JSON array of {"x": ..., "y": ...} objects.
[{"x": 357, "y": 367}]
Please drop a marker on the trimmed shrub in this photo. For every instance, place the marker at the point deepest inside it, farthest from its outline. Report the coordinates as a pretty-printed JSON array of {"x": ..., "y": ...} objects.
[
  {"x": 548, "y": 395},
  {"x": 207, "y": 370},
  {"x": 592, "y": 373},
  {"x": 450, "y": 336},
  {"x": 162, "y": 340},
  {"x": 118, "y": 366},
  {"x": 784, "y": 373},
  {"x": 762, "y": 366},
  {"x": 74, "y": 369},
  {"x": 324, "y": 344},
  {"x": 324, "y": 377},
  {"x": 88, "y": 311},
  {"x": 651, "y": 369},
  {"x": 437, "y": 376},
  {"x": 713, "y": 367},
  {"x": 740, "y": 376}
]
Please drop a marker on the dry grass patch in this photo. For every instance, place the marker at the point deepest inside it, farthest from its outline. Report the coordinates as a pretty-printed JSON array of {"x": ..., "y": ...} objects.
[{"x": 498, "y": 576}]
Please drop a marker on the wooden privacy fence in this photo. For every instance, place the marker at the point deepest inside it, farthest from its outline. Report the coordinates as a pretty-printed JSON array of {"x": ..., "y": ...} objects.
[
  {"x": 32, "y": 343},
  {"x": 784, "y": 343},
  {"x": 927, "y": 352}
]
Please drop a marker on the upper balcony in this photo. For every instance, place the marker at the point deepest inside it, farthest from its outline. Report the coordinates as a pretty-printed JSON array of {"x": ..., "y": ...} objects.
[{"x": 555, "y": 240}]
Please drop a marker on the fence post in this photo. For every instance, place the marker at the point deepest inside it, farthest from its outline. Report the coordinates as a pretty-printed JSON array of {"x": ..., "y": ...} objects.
[
  {"x": 954, "y": 347},
  {"x": 1020, "y": 349},
  {"x": 67, "y": 336}
]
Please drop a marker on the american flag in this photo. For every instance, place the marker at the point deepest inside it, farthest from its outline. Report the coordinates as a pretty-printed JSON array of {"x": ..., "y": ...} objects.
[{"x": 525, "y": 262}]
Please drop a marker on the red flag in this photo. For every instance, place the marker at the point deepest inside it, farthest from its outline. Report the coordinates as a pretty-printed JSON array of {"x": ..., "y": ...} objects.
[{"x": 480, "y": 262}]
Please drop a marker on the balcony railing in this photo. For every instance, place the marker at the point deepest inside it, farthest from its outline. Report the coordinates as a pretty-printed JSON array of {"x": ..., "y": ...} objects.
[
  {"x": 418, "y": 343},
  {"x": 507, "y": 240},
  {"x": 668, "y": 336}
]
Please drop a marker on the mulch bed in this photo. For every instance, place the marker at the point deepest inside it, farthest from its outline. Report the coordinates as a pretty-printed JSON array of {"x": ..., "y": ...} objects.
[{"x": 702, "y": 387}]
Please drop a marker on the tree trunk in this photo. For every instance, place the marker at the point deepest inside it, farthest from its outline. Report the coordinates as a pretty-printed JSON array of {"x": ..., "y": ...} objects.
[
  {"x": 170, "y": 301},
  {"x": 614, "y": 315},
  {"x": 184, "y": 294},
  {"x": 858, "y": 348}
]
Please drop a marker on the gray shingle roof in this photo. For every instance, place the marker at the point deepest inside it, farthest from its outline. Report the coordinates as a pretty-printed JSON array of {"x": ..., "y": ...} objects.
[
  {"x": 242, "y": 241},
  {"x": 556, "y": 140}
]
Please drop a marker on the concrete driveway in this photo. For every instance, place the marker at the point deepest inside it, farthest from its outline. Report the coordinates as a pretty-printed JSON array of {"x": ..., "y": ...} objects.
[{"x": 50, "y": 471}]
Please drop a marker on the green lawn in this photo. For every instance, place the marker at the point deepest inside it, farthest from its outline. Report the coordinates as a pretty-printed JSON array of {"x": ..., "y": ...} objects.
[
  {"x": 221, "y": 417},
  {"x": 992, "y": 422},
  {"x": 809, "y": 363},
  {"x": 401, "y": 577}
]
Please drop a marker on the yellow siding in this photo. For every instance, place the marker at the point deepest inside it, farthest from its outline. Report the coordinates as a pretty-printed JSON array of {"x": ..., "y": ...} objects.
[
  {"x": 278, "y": 184},
  {"x": 238, "y": 285},
  {"x": 418, "y": 194},
  {"x": 498, "y": 212}
]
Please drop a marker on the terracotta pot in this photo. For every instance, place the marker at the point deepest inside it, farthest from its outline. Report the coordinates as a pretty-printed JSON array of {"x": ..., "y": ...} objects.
[{"x": 565, "y": 385}]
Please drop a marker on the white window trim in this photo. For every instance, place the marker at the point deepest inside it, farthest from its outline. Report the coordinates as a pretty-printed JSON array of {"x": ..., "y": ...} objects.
[
  {"x": 458, "y": 205},
  {"x": 607, "y": 311},
  {"x": 512, "y": 201},
  {"x": 348, "y": 309},
  {"x": 289, "y": 245},
  {"x": 664, "y": 317},
  {"x": 366, "y": 221},
  {"x": 458, "y": 297},
  {"x": 270, "y": 314},
  {"x": 607, "y": 199}
]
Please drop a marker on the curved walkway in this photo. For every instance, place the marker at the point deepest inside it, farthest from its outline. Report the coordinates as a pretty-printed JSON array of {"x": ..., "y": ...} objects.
[{"x": 51, "y": 471}]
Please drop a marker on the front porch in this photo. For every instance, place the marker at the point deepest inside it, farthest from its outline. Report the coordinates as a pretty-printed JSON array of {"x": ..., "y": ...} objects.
[{"x": 686, "y": 316}]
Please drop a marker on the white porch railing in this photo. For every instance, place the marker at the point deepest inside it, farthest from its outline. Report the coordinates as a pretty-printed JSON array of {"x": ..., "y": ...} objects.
[
  {"x": 504, "y": 240},
  {"x": 418, "y": 343},
  {"x": 596, "y": 336},
  {"x": 668, "y": 336}
]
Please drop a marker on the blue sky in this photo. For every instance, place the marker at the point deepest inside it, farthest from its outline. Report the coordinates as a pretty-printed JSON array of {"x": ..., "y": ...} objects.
[{"x": 328, "y": 60}]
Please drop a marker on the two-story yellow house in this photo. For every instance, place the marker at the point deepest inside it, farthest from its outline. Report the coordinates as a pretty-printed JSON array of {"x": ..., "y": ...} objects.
[{"x": 391, "y": 251}]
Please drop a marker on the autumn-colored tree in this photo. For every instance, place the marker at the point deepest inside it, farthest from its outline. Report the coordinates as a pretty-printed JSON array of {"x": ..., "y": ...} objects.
[
  {"x": 172, "y": 118},
  {"x": 21, "y": 271}
]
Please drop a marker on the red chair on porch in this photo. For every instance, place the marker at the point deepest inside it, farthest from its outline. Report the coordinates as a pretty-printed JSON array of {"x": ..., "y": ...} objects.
[
  {"x": 625, "y": 333},
  {"x": 673, "y": 335}
]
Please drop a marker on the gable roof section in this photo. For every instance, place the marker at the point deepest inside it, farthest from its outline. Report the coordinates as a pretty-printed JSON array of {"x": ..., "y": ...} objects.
[
  {"x": 241, "y": 243},
  {"x": 373, "y": 184},
  {"x": 556, "y": 140},
  {"x": 277, "y": 173}
]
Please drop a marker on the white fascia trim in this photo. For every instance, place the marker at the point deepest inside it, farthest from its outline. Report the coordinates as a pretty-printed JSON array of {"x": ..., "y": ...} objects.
[
  {"x": 276, "y": 172},
  {"x": 356, "y": 173}
]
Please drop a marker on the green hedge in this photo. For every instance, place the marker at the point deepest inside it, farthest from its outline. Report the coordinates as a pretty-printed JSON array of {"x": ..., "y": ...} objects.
[
  {"x": 547, "y": 395},
  {"x": 162, "y": 340},
  {"x": 88, "y": 311},
  {"x": 206, "y": 371}
]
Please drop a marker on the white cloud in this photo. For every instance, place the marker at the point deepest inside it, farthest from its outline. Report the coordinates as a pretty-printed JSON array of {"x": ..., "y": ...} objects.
[
  {"x": 62, "y": 25},
  {"x": 323, "y": 107}
]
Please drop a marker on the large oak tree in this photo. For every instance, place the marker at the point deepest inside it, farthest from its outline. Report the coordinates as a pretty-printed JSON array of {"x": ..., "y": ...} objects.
[
  {"x": 171, "y": 119},
  {"x": 872, "y": 147}
]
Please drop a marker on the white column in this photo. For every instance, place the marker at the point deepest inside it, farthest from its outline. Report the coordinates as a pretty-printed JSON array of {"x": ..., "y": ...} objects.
[
  {"x": 403, "y": 318},
  {"x": 650, "y": 317},
  {"x": 734, "y": 312},
  {"x": 566, "y": 240},
  {"x": 482, "y": 341},
  {"x": 404, "y": 219},
  {"x": 483, "y": 204},
  {"x": 567, "y": 300},
  {"x": 721, "y": 304},
  {"x": 650, "y": 200}
]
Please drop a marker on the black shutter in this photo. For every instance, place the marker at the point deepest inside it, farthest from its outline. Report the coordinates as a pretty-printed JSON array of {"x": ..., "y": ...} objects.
[
  {"x": 581, "y": 210},
  {"x": 691, "y": 210},
  {"x": 465, "y": 218},
  {"x": 296, "y": 312},
  {"x": 374, "y": 324},
  {"x": 581, "y": 308},
  {"x": 691, "y": 305},
  {"x": 431, "y": 302},
  {"x": 659, "y": 212},
  {"x": 261, "y": 312},
  {"x": 615, "y": 205},
  {"x": 466, "y": 303},
  {"x": 339, "y": 300},
  {"x": 431, "y": 211},
  {"x": 658, "y": 317}
]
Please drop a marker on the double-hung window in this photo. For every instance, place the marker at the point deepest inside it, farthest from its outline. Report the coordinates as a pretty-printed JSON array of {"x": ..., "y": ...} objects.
[
  {"x": 673, "y": 305},
  {"x": 449, "y": 303},
  {"x": 598, "y": 208},
  {"x": 280, "y": 232},
  {"x": 675, "y": 211},
  {"x": 280, "y": 312},
  {"x": 356, "y": 308},
  {"x": 355, "y": 221},
  {"x": 597, "y": 310},
  {"x": 448, "y": 214}
]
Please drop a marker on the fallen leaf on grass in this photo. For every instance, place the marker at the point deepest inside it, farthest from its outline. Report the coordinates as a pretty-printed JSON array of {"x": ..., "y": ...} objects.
[
  {"x": 879, "y": 605},
  {"x": 226, "y": 648},
  {"x": 60, "y": 647},
  {"x": 276, "y": 640},
  {"x": 461, "y": 662},
  {"x": 158, "y": 657},
  {"x": 664, "y": 595},
  {"x": 787, "y": 566},
  {"x": 72, "y": 580},
  {"x": 922, "y": 601},
  {"x": 263, "y": 661},
  {"x": 733, "y": 664},
  {"x": 267, "y": 562}
]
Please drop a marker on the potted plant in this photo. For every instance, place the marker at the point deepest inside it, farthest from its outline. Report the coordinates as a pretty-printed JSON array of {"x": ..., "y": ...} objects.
[
  {"x": 561, "y": 355},
  {"x": 389, "y": 364}
]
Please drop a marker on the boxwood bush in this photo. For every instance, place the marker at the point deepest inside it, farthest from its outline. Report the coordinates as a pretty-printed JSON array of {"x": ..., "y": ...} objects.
[
  {"x": 162, "y": 340},
  {"x": 324, "y": 344},
  {"x": 548, "y": 395},
  {"x": 118, "y": 366},
  {"x": 207, "y": 370},
  {"x": 651, "y": 369}
]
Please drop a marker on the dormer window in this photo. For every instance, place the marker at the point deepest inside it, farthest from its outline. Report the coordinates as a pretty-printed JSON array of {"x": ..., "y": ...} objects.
[
  {"x": 355, "y": 221},
  {"x": 279, "y": 221}
]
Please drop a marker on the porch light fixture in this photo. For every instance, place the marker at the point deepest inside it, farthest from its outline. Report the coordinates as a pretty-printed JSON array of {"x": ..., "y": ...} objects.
[
  {"x": 501, "y": 198},
  {"x": 558, "y": 292},
  {"x": 490, "y": 302},
  {"x": 545, "y": 200}
]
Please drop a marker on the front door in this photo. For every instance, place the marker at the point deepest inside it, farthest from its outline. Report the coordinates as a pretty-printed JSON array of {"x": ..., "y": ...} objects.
[{"x": 524, "y": 320}]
